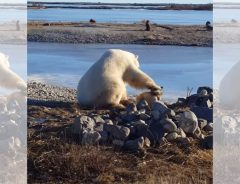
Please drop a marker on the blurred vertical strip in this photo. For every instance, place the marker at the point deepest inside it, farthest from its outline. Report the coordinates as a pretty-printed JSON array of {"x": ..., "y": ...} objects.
[
  {"x": 227, "y": 92},
  {"x": 13, "y": 76}
]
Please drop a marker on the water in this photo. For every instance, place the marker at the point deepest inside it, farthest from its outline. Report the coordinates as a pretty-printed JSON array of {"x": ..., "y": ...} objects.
[
  {"x": 184, "y": 17},
  {"x": 226, "y": 15},
  {"x": 176, "y": 68}
]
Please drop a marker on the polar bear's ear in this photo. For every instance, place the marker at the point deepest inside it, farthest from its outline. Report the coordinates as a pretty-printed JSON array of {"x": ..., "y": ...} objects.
[{"x": 136, "y": 56}]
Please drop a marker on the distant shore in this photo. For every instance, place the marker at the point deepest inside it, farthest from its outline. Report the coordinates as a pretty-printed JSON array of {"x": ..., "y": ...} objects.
[
  {"x": 109, "y": 33},
  {"x": 147, "y": 6}
]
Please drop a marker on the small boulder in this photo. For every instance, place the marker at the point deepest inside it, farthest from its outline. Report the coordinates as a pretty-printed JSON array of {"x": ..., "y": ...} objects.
[
  {"x": 208, "y": 142},
  {"x": 172, "y": 136},
  {"x": 188, "y": 122},
  {"x": 131, "y": 108},
  {"x": 159, "y": 106},
  {"x": 209, "y": 127},
  {"x": 134, "y": 145},
  {"x": 142, "y": 104},
  {"x": 203, "y": 113},
  {"x": 117, "y": 132},
  {"x": 90, "y": 138},
  {"x": 168, "y": 125},
  {"x": 82, "y": 123},
  {"x": 202, "y": 123}
]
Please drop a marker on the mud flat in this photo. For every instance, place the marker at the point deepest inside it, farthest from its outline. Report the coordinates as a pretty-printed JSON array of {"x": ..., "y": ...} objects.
[{"x": 194, "y": 35}]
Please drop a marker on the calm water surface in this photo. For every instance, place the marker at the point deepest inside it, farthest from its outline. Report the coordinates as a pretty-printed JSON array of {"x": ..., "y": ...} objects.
[{"x": 121, "y": 15}]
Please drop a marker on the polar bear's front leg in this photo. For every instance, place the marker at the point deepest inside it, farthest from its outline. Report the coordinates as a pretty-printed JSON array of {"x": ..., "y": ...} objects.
[{"x": 138, "y": 79}]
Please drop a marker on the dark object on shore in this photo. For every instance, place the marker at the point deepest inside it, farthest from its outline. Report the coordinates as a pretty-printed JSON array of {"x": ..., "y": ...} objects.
[
  {"x": 209, "y": 26},
  {"x": 148, "y": 28},
  {"x": 92, "y": 21},
  {"x": 18, "y": 26}
]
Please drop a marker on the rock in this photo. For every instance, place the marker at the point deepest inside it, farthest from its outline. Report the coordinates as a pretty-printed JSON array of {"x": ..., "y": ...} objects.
[
  {"x": 168, "y": 125},
  {"x": 109, "y": 122},
  {"x": 156, "y": 132},
  {"x": 204, "y": 102},
  {"x": 209, "y": 127},
  {"x": 144, "y": 116},
  {"x": 163, "y": 141},
  {"x": 134, "y": 145},
  {"x": 117, "y": 132},
  {"x": 131, "y": 108},
  {"x": 208, "y": 142},
  {"x": 127, "y": 118},
  {"x": 202, "y": 123},
  {"x": 198, "y": 134},
  {"x": 98, "y": 119},
  {"x": 118, "y": 143},
  {"x": 104, "y": 136},
  {"x": 183, "y": 140},
  {"x": 140, "y": 129},
  {"x": 203, "y": 92},
  {"x": 191, "y": 100},
  {"x": 172, "y": 136},
  {"x": 181, "y": 133},
  {"x": 142, "y": 104},
  {"x": 90, "y": 138},
  {"x": 188, "y": 122},
  {"x": 156, "y": 115},
  {"x": 82, "y": 123},
  {"x": 208, "y": 89},
  {"x": 203, "y": 113},
  {"x": 159, "y": 106}
]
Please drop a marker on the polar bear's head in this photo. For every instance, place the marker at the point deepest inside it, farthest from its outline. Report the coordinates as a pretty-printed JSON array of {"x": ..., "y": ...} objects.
[{"x": 4, "y": 61}]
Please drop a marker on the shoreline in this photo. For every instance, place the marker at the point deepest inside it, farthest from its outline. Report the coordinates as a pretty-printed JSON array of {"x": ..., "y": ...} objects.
[
  {"x": 145, "y": 6},
  {"x": 118, "y": 33}
]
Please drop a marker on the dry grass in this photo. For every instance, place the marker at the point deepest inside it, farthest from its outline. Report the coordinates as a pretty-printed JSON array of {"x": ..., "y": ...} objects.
[{"x": 54, "y": 159}]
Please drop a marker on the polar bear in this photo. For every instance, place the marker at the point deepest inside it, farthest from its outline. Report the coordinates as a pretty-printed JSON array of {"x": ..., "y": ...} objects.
[
  {"x": 229, "y": 90},
  {"x": 9, "y": 79},
  {"x": 104, "y": 84}
]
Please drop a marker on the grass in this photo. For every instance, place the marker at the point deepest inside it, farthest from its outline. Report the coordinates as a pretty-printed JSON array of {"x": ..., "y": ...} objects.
[{"x": 54, "y": 159}]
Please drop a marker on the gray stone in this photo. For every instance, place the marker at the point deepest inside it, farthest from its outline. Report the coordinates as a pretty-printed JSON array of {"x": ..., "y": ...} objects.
[
  {"x": 117, "y": 132},
  {"x": 109, "y": 122},
  {"x": 118, "y": 143},
  {"x": 127, "y": 118},
  {"x": 144, "y": 116},
  {"x": 98, "y": 119},
  {"x": 188, "y": 122},
  {"x": 140, "y": 129},
  {"x": 209, "y": 127},
  {"x": 142, "y": 104},
  {"x": 104, "y": 136},
  {"x": 135, "y": 145},
  {"x": 202, "y": 123},
  {"x": 208, "y": 89},
  {"x": 181, "y": 133},
  {"x": 90, "y": 138},
  {"x": 168, "y": 125},
  {"x": 172, "y": 136},
  {"x": 198, "y": 134},
  {"x": 203, "y": 113},
  {"x": 82, "y": 123},
  {"x": 156, "y": 115},
  {"x": 131, "y": 108},
  {"x": 208, "y": 142},
  {"x": 159, "y": 106},
  {"x": 156, "y": 132}
]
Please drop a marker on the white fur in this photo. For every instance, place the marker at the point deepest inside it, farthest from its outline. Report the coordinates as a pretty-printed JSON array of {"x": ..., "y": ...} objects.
[
  {"x": 9, "y": 79},
  {"x": 229, "y": 91},
  {"x": 105, "y": 82}
]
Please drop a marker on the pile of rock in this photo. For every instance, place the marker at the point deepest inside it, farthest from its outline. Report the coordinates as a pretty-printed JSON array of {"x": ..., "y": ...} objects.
[{"x": 142, "y": 125}]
